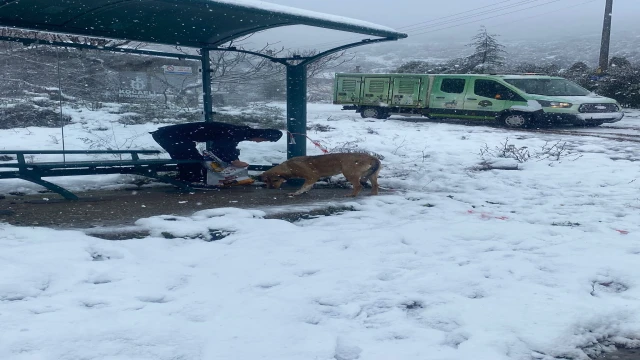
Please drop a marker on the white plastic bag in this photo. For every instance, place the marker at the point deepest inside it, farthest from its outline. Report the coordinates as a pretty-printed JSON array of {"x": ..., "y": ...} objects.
[{"x": 220, "y": 173}]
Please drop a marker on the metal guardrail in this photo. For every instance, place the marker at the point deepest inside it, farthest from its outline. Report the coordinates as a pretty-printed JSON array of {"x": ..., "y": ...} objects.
[{"x": 34, "y": 171}]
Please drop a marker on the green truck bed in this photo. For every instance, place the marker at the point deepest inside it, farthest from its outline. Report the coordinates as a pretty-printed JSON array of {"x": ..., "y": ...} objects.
[{"x": 402, "y": 90}]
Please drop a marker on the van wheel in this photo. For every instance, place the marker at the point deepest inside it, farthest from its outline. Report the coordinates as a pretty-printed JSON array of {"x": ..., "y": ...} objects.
[
  {"x": 516, "y": 120},
  {"x": 374, "y": 112}
]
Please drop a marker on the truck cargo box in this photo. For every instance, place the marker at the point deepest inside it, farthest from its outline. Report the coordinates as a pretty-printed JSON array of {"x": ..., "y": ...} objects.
[{"x": 383, "y": 90}]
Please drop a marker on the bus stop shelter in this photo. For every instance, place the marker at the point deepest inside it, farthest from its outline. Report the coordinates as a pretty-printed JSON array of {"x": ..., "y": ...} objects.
[{"x": 206, "y": 25}]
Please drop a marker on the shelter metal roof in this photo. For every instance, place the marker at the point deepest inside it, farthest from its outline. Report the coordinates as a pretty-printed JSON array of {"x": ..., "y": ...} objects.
[{"x": 189, "y": 23}]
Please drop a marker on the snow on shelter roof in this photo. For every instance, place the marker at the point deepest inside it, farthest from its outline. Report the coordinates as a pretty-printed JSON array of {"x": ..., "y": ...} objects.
[
  {"x": 306, "y": 13},
  {"x": 190, "y": 23}
]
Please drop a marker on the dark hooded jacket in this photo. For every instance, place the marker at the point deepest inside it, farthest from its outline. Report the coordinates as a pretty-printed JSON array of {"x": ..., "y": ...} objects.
[{"x": 224, "y": 138}]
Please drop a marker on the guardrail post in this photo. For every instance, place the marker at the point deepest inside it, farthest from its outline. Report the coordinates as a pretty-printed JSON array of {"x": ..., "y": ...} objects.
[{"x": 22, "y": 165}]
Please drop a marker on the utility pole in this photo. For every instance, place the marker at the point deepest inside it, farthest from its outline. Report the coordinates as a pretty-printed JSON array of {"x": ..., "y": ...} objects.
[{"x": 606, "y": 37}]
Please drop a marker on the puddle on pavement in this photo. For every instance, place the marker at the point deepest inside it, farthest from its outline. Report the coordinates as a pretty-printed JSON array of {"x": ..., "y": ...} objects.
[
  {"x": 311, "y": 214},
  {"x": 119, "y": 235}
]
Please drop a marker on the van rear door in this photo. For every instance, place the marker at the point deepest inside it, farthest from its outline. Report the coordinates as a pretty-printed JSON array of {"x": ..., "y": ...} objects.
[{"x": 348, "y": 90}]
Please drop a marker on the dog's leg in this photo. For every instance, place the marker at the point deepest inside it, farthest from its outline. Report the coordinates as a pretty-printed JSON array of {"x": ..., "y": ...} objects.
[
  {"x": 355, "y": 181},
  {"x": 374, "y": 181},
  {"x": 374, "y": 184},
  {"x": 372, "y": 175},
  {"x": 308, "y": 184}
]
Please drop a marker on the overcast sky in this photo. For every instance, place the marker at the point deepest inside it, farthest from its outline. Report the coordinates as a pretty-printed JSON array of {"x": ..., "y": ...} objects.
[{"x": 458, "y": 20}]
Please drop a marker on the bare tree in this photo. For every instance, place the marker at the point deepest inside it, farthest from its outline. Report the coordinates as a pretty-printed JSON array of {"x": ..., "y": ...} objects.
[
  {"x": 330, "y": 61},
  {"x": 231, "y": 69},
  {"x": 94, "y": 76},
  {"x": 39, "y": 66},
  {"x": 48, "y": 37}
]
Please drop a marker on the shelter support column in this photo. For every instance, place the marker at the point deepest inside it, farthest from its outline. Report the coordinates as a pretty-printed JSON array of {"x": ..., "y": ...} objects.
[
  {"x": 206, "y": 86},
  {"x": 297, "y": 110}
]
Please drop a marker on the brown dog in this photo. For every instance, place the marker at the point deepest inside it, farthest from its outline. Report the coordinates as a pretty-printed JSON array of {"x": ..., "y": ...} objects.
[{"x": 356, "y": 167}]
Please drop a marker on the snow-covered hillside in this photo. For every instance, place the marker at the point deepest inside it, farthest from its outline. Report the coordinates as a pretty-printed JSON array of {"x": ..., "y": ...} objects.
[{"x": 561, "y": 51}]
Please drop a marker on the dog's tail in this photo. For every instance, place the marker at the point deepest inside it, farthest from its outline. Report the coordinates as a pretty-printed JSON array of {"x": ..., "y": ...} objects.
[{"x": 374, "y": 169}]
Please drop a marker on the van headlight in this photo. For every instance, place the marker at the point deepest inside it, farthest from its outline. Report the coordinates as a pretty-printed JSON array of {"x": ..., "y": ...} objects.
[{"x": 555, "y": 104}]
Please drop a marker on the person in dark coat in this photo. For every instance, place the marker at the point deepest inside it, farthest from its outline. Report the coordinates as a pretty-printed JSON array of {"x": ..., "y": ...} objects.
[{"x": 180, "y": 142}]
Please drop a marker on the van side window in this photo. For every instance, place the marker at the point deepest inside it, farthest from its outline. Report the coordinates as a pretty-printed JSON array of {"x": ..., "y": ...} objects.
[
  {"x": 452, "y": 86},
  {"x": 494, "y": 90}
]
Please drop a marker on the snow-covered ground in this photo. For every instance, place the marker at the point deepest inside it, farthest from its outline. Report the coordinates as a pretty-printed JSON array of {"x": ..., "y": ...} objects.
[{"x": 456, "y": 263}]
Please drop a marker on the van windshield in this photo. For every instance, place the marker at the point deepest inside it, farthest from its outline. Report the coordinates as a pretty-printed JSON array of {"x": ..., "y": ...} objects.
[{"x": 549, "y": 87}]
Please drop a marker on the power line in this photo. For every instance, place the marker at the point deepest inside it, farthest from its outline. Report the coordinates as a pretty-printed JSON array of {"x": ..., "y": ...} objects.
[
  {"x": 546, "y": 13},
  {"x": 453, "y": 15},
  {"x": 487, "y": 18},
  {"x": 514, "y": 5},
  {"x": 456, "y": 19}
]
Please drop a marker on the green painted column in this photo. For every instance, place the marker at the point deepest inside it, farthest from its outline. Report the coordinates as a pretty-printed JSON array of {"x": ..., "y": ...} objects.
[
  {"x": 206, "y": 86},
  {"x": 297, "y": 110},
  {"x": 207, "y": 102}
]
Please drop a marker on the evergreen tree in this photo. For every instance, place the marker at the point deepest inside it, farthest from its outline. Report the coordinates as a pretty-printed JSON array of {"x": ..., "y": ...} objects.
[
  {"x": 619, "y": 62},
  {"x": 622, "y": 82},
  {"x": 488, "y": 52}
]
